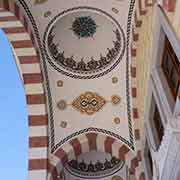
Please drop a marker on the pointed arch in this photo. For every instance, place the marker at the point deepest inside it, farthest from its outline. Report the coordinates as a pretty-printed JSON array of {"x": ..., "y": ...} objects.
[{"x": 18, "y": 30}]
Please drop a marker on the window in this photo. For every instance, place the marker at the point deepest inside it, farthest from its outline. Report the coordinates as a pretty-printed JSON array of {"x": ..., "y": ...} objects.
[
  {"x": 150, "y": 161},
  {"x": 158, "y": 125},
  {"x": 171, "y": 68}
]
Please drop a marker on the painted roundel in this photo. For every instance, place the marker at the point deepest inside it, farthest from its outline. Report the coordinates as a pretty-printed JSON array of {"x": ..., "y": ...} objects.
[{"x": 84, "y": 43}]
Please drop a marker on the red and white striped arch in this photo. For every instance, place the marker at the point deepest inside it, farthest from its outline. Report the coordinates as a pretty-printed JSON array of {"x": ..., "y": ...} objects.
[
  {"x": 141, "y": 9},
  {"x": 16, "y": 27},
  {"x": 85, "y": 143}
]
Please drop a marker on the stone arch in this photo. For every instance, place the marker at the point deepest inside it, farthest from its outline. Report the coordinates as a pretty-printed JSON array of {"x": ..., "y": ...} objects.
[
  {"x": 18, "y": 30},
  {"x": 84, "y": 143}
]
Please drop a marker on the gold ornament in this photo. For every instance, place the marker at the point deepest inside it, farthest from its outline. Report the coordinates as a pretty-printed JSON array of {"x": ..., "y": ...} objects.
[
  {"x": 60, "y": 83},
  {"x": 62, "y": 105},
  {"x": 117, "y": 120},
  {"x": 89, "y": 103},
  {"x": 47, "y": 14},
  {"x": 115, "y": 99},
  {"x": 115, "y": 10},
  {"x": 114, "y": 80},
  {"x": 63, "y": 124}
]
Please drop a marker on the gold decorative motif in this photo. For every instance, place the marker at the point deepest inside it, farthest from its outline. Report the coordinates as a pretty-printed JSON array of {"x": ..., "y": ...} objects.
[
  {"x": 39, "y": 1},
  {"x": 115, "y": 10},
  {"x": 63, "y": 124},
  {"x": 114, "y": 80},
  {"x": 60, "y": 83},
  {"x": 89, "y": 103},
  {"x": 117, "y": 178},
  {"x": 62, "y": 105},
  {"x": 117, "y": 120},
  {"x": 47, "y": 14},
  {"x": 115, "y": 99}
]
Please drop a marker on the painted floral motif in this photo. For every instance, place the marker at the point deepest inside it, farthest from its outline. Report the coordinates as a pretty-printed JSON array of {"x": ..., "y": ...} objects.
[
  {"x": 89, "y": 103},
  {"x": 96, "y": 167},
  {"x": 84, "y": 27},
  {"x": 80, "y": 66}
]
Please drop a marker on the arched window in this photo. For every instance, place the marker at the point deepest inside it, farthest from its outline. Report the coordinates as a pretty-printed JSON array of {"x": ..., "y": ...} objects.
[{"x": 13, "y": 117}]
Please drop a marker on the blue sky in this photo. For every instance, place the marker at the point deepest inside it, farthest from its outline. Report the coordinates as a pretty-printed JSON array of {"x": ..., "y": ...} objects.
[{"x": 13, "y": 117}]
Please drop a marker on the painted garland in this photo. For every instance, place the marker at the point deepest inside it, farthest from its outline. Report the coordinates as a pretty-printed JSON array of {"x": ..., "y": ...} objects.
[
  {"x": 94, "y": 170},
  {"x": 79, "y": 69}
]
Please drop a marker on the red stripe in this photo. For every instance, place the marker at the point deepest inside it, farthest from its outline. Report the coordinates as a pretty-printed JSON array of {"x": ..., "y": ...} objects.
[
  {"x": 122, "y": 151},
  {"x": 38, "y": 120},
  {"x": 135, "y": 113},
  {"x": 76, "y": 146},
  {"x": 135, "y": 36},
  {"x": 92, "y": 141},
  {"x": 8, "y": 18},
  {"x": 28, "y": 59},
  {"x": 141, "y": 11},
  {"x": 137, "y": 22},
  {"x": 14, "y": 30},
  {"x": 108, "y": 144},
  {"x": 32, "y": 78},
  {"x": 22, "y": 44},
  {"x": 37, "y": 164},
  {"x": 61, "y": 154},
  {"x": 38, "y": 141},
  {"x": 134, "y": 92},
  {"x": 133, "y": 72},
  {"x": 35, "y": 99}
]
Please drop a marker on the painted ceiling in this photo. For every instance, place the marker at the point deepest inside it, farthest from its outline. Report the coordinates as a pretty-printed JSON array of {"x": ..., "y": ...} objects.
[{"x": 87, "y": 50}]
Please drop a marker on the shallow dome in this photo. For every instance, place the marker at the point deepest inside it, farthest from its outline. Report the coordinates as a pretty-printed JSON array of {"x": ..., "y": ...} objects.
[{"x": 84, "y": 43}]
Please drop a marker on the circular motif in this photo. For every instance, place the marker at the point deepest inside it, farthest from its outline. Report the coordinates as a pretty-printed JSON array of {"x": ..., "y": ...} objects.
[
  {"x": 114, "y": 80},
  {"x": 62, "y": 105},
  {"x": 117, "y": 120},
  {"x": 60, "y": 83},
  {"x": 47, "y": 14},
  {"x": 115, "y": 99},
  {"x": 84, "y": 27},
  {"x": 115, "y": 10},
  {"x": 63, "y": 124},
  {"x": 88, "y": 56},
  {"x": 117, "y": 178}
]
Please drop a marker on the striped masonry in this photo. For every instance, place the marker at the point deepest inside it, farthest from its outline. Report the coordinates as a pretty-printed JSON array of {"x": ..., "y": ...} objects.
[{"x": 30, "y": 70}]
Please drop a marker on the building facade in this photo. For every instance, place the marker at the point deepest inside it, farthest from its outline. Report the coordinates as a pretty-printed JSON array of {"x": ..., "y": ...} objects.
[{"x": 102, "y": 83}]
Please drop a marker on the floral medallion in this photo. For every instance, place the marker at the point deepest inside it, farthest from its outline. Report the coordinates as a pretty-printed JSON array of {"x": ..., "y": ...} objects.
[
  {"x": 89, "y": 103},
  {"x": 84, "y": 27},
  {"x": 74, "y": 45}
]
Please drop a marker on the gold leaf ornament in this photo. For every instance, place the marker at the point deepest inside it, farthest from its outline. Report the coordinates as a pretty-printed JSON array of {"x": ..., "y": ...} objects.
[{"x": 89, "y": 103}]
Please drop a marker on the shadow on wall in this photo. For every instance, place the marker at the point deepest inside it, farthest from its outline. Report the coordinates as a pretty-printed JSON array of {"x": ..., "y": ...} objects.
[{"x": 13, "y": 117}]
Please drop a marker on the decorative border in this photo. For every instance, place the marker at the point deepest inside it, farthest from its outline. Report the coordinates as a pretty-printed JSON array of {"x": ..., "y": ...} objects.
[
  {"x": 129, "y": 143},
  {"x": 22, "y": 39},
  {"x": 93, "y": 130},
  {"x": 94, "y": 175},
  {"x": 55, "y": 19}
]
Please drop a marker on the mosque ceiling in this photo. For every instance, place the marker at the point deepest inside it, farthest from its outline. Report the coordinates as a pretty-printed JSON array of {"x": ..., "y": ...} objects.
[{"x": 86, "y": 47}]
